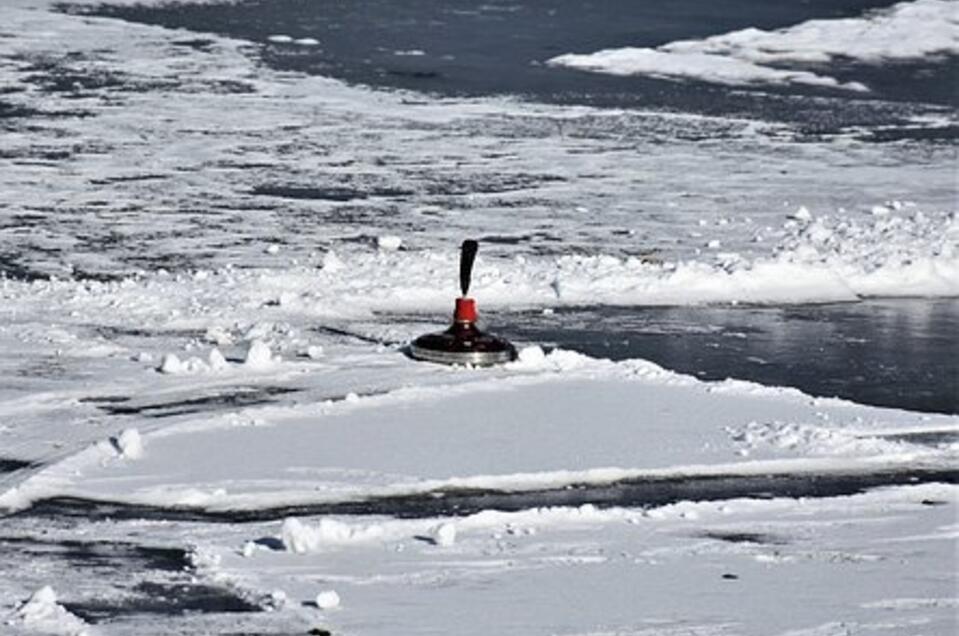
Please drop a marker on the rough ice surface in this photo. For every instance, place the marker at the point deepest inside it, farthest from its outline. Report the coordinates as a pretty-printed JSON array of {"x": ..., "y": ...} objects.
[
  {"x": 908, "y": 30},
  {"x": 238, "y": 299}
]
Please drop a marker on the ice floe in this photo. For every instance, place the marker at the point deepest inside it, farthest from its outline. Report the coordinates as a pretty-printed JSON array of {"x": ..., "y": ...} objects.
[{"x": 908, "y": 30}]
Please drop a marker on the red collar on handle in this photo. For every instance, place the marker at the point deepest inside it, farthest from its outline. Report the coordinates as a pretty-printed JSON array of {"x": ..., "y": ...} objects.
[{"x": 465, "y": 310}]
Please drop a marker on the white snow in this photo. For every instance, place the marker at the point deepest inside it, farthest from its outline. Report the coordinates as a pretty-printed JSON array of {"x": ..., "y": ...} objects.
[
  {"x": 258, "y": 355},
  {"x": 389, "y": 242},
  {"x": 171, "y": 364},
  {"x": 300, "y": 538},
  {"x": 327, "y": 600},
  {"x": 130, "y": 443},
  {"x": 216, "y": 360},
  {"x": 444, "y": 535},
  {"x": 42, "y": 614},
  {"x": 908, "y": 30}
]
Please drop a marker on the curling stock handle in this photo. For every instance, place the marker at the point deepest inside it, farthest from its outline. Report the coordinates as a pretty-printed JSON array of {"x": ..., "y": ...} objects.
[{"x": 467, "y": 256}]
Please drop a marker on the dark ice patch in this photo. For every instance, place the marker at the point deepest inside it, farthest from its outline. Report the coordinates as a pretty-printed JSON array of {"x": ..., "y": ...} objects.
[
  {"x": 327, "y": 193},
  {"x": 744, "y": 537},
  {"x": 229, "y": 399},
  {"x": 10, "y": 465},
  {"x": 204, "y": 45},
  {"x": 628, "y": 493},
  {"x": 98, "y": 554},
  {"x": 935, "y": 134},
  {"x": 141, "y": 579},
  {"x": 492, "y": 183},
  {"x": 166, "y": 599},
  {"x": 924, "y": 438}
]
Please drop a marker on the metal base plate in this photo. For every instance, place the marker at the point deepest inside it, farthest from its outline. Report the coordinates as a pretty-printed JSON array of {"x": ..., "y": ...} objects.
[{"x": 462, "y": 344}]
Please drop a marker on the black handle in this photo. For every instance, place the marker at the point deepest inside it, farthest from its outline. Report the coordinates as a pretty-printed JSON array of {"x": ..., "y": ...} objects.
[{"x": 467, "y": 256}]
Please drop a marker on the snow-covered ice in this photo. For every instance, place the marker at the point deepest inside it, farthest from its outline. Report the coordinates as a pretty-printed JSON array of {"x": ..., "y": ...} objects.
[{"x": 907, "y": 30}]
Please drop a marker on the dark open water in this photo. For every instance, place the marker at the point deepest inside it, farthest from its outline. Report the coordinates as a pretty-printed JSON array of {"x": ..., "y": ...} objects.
[
  {"x": 498, "y": 47},
  {"x": 897, "y": 353}
]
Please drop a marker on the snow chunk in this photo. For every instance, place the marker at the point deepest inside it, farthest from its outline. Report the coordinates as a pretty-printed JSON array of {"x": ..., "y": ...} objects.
[
  {"x": 216, "y": 360},
  {"x": 218, "y": 336},
  {"x": 802, "y": 214},
  {"x": 275, "y": 600},
  {"x": 327, "y": 600},
  {"x": 258, "y": 355},
  {"x": 389, "y": 243},
  {"x": 332, "y": 262},
  {"x": 300, "y": 538},
  {"x": 444, "y": 535},
  {"x": 533, "y": 358},
  {"x": 171, "y": 364},
  {"x": 130, "y": 444},
  {"x": 42, "y": 613}
]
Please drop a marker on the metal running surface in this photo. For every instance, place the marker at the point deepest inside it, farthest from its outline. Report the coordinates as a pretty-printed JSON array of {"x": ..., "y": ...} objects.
[{"x": 474, "y": 358}]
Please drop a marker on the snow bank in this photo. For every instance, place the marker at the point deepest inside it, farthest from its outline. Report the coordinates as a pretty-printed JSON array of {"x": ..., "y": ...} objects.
[
  {"x": 41, "y": 613},
  {"x": 908, "y": 30}
]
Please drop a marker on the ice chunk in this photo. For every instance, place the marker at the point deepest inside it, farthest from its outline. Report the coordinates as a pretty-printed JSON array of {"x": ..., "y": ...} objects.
[
  {"x": 332, "y": 262},
  {"x": 216, "y": 360},
  {"x": 532, "y": 356},
  {"x": 908, "y": 30},
  {"x": 300, "y": 538},
  {"x": 444, "y": 534},
  {"x": 297, "y": 537},
  {"x": 170, "y": 364},
  {"x": 130, "y": 444},
  {"x": 280, "y": 39},
  {"x": 389, "y": 243},
  {"x": 327, "y": 600},
  {"x": 258, "y": 355}
]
